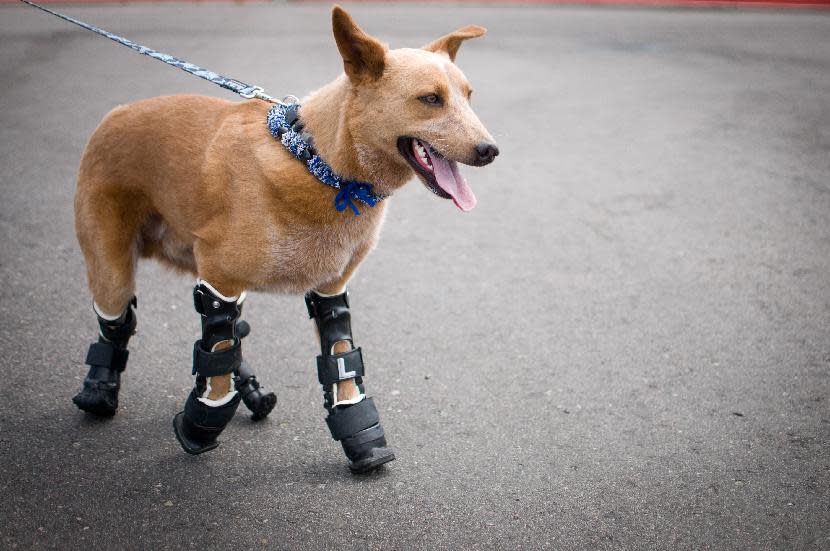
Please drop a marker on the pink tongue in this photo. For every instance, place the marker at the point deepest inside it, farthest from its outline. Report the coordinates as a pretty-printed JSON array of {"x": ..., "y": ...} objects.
[{"x": 450, "y": 179}]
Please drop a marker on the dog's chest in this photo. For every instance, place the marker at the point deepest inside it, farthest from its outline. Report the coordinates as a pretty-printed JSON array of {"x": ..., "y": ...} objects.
[{"x": 300, "y": 258}]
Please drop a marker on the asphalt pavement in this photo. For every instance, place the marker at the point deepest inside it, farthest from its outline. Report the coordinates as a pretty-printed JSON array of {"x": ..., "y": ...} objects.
[{"x": 625, "y": 346}]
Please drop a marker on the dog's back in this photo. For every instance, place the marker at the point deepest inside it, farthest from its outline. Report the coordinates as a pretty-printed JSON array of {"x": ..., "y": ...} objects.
[
  {"x": 159, "y": 174},
  {"x": 155, "y": 151}
]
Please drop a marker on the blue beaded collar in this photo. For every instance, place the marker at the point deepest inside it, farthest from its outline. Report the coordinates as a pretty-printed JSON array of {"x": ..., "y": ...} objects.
[{"x": 284, "y": 125}]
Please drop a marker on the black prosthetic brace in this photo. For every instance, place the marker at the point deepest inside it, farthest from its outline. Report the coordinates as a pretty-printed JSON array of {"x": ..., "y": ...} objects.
[
  {"x": 199, "y": 425},
  {"x": 356, "y": 426},
  {"x": 106, "y": 359},
  {"x": 244, "y": 381}
]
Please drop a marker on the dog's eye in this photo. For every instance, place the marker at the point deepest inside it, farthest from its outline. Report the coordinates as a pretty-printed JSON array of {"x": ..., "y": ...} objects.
[{"x": 431, "y": 99}]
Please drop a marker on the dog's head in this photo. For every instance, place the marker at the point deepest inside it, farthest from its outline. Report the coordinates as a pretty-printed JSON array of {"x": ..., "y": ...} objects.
[{"x": 411, "y": 107}]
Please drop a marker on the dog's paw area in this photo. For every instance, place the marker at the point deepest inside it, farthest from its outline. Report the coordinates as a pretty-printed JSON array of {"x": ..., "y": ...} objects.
[
  {"x": 188, "y": 441},
  {"x": 260, "y": 404},
  {"x": 102, "y": 403},
  {"x": 376, "y": 458}
]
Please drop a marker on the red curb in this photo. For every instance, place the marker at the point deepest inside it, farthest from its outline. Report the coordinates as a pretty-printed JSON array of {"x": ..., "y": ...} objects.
[
  {"x": 734, "y": 4},
  {"x": 776, "y": 4},
  {"x": 81, "y": 3}
]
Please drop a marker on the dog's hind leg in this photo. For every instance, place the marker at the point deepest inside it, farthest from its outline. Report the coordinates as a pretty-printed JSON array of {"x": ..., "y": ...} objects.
[
  {"x": 107, "y": 359},
  {"x": 107, "y": 232},
  {"x": 259, "y": 402},
  {"x": 352, "y": 417}
]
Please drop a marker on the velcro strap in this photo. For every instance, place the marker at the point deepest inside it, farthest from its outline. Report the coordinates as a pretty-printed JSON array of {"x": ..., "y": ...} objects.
[
  {"x": 365, "y": 436},
  {"x": 211, "y": 364},
  {"x": 346, "y": 422},
  {"x": 339, "y": 367},
  {"x": 99, "y": 354},
  {"x": 103, "y": 354}
]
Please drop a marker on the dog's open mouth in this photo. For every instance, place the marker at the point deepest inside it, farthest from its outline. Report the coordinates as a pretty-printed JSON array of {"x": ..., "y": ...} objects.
[{"x": 439, "y": 174}]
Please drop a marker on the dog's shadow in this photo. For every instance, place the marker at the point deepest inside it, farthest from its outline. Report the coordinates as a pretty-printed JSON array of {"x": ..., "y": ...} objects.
[
  {"x": 246, "y": 456},
  {"x": 263, "y": 450}
]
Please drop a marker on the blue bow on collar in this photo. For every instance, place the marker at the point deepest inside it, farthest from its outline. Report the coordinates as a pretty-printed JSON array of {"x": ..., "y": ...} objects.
[{"x": 360, "y": 191}]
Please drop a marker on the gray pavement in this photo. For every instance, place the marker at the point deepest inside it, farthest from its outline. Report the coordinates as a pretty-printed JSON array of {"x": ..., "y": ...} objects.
[{"x": 625, "y": 346}]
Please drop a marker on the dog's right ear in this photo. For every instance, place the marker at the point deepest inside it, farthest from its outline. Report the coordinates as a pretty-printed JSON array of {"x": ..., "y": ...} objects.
[
  {"x": 449, "y": 44},
  {"x": 363, "y": 55}
]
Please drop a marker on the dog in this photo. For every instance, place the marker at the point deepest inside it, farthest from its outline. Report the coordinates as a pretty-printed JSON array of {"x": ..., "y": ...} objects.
[{"x": 236, "y": 194}]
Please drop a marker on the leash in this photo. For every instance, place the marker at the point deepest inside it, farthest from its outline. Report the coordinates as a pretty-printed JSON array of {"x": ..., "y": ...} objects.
[
  {"x": 245, "y": 90},
  {"x": 282, "y": 119}
]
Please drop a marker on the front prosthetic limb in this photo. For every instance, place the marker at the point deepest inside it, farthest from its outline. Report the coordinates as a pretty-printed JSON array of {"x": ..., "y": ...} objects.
[
  {"x": 217, "y": 355},
  {"x": 107, "y": 359},
  {"x": 354, "y": 422}
]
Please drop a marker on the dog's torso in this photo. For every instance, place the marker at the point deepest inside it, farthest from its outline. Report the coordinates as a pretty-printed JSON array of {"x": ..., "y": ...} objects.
[{"x": 210, "y": 190}]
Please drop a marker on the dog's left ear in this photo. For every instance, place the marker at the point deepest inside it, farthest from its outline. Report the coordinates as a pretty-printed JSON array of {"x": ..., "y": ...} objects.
[
  {"x": 363, "y": 55},
  {"x": 449, "y": 44}
]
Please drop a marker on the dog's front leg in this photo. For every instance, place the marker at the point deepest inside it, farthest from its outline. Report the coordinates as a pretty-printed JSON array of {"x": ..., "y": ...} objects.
[
  {"x": 216, "y": 356},
  {"x": 352, "y": 417}
]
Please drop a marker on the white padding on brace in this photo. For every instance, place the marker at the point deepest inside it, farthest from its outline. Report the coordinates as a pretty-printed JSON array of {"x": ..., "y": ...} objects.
[
  {"x": 238, "y": 299},
  {"x": 360, "y": 398},
  {"x": 100, "y": 313},
  {"x": 324, "y": 295},
  {"x": 350, "y": 402},
  {"x": 216, "y": 403}
]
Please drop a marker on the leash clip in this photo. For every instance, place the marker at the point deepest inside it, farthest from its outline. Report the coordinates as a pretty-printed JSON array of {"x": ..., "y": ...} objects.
[
  {"x": 256, "y": 92},
  {"x": 252, "y": 92}
]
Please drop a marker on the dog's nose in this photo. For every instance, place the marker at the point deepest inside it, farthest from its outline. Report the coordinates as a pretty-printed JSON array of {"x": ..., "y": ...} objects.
[{"x": 486, "y": 152}]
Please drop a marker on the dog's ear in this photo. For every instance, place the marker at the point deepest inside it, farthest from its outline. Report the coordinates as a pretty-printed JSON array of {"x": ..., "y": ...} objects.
[
  {"x": 363, "y": 55},
  {"x": 449, "y": 44}
]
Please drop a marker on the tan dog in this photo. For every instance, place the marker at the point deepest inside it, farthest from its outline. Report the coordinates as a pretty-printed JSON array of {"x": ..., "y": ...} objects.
[{"x": 201, "y": 185}]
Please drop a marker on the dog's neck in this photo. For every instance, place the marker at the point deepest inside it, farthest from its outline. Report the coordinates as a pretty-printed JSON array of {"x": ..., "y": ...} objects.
[{"x": 325, "y": 114}]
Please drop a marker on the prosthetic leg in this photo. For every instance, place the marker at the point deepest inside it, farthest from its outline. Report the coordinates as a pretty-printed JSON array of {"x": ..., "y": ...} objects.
[
  {"x": 217, "y": 353},
  {"x": 354, "y": 423},
  {"x": 106, "y": 359},
  {"x": 244, "y": 381}
]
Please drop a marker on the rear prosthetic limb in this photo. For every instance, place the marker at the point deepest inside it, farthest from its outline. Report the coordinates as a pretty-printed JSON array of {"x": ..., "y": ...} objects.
[{"x": 107, "y": 359}]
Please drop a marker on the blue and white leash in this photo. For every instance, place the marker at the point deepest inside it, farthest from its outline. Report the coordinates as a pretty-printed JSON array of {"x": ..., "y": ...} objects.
[
  {"x": 296, "y": 142},
  {"x": 245, "y": 90}
]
